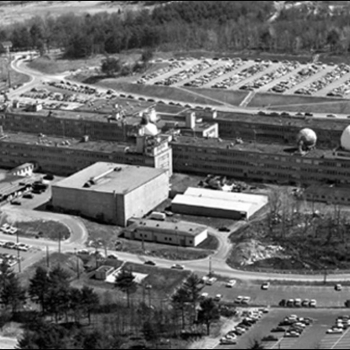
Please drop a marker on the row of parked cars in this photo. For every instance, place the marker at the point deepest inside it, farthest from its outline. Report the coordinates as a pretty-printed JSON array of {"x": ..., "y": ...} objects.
[
  {"x": 341, "y": 324},
  {"x": 250, "y": 318},
  {"x": 8, "y": 229},
  {"x": 147, "y": 77},
  {"x": 286, "y": 68},
  {"x": 340, "y": 91},
  {"x": 306, "y": 303},
  {"x": 217, "y": 72},
  {"x": 296, "y": 79},
  {"x": 242, "y": 75},
  {"x": 326, "y": 80},
  {"x": 17, "y": 246},
  {"x": 292, "y": 327},
  {"x": 186, "y": 73}
]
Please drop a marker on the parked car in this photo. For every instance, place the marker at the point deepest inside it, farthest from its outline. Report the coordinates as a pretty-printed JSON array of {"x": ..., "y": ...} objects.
[
  {"x": 218, "y": 297},
  {"x": 230, "y": 283},
  {"x": 313, "y": 303},
  {"x": 265, "y": 286},
  {"x": 150, "y": 262},
  {"x": 178, "y": 267},
  {"x": 338, "y": 287},
  {"x": 270, "y": 338}
]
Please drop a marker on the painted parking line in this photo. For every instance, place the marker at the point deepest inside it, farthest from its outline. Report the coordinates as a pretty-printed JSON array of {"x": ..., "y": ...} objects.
[{"x": 336, "y": 341}]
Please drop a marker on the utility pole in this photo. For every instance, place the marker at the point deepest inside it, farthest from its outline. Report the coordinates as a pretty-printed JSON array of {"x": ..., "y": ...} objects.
[{"x": 18, "y": 255}]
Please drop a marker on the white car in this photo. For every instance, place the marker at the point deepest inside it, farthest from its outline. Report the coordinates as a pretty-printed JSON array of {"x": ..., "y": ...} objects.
[
  {"x": 230, "y": 283},
  {"x": 238, "y": 300},
  {"x": 204, "y": 295},
  {"x": 218, "y": 297},
  {"x": 335, "y": 331},
  {"x": 2, "y": 243},
  {"x": 246, "y": 300},
  {"x": 23, "y": 247},
  {"x": 12, "y": 230},
  {"x": 226, "y": 341}
]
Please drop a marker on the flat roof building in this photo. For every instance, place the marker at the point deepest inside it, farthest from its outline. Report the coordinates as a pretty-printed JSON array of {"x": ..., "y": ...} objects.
[
  {"x": 112, "y": 193},
  {"x": 202, "y": 202},
  {"x": 182, "y": 233}
]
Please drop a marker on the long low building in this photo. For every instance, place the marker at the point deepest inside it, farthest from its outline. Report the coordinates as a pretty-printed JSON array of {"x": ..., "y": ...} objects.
[
  {"x": 112, "y": 193},
  {"x": 182, "y": 233},
  {"x": 202, "y": 202}
]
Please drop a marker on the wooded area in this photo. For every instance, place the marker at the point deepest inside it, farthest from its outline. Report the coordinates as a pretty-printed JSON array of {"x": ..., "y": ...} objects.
[{"x": 209, "y": 25}]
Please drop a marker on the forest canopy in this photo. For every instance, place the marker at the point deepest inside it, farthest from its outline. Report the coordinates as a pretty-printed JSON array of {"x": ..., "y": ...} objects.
[{"x": 189, "y": 25}]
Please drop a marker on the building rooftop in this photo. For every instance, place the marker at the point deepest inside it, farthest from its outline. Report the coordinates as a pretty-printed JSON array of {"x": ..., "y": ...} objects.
[
  {"x": 318, "y": 121},
  {"x": 206, "y": 202},
  {"x": 180, "y": 227},
  {"x": 110, "y": 178},
  {"x": 68, "y": 143},
  {"x": 251, "y": 146}
]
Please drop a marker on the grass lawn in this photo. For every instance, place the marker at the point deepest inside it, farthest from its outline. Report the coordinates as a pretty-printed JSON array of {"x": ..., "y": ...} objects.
[
  {"x": 67, "y": 261},
  {"x": 16, "y": 78},
  {"x": 338, "y": 107},
  {"x": 159, "y": 92},
  {"x": 53, "y": 230},
  {"x": 234, "y": 98},
  {"x": 285, "y": 101}
]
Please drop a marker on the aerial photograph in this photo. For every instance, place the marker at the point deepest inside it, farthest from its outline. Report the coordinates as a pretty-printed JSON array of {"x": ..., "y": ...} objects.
[{"x": 174, "y": 175}]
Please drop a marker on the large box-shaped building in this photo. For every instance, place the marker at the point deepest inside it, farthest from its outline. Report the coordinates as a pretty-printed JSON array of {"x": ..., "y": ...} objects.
[
  {"x": 203, "y": 202},
  {"x": 112, "y": 193}
]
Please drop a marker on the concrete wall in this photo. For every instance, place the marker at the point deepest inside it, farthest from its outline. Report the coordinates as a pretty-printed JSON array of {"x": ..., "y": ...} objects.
[
  {"x": 145, "y": 198},
  {"x": 96, "y": 205}
]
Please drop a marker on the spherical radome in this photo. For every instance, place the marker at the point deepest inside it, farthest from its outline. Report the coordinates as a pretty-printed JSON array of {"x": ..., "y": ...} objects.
[
  {"x": 345, "y": 139},
  {"x": 308, "y": 137}
]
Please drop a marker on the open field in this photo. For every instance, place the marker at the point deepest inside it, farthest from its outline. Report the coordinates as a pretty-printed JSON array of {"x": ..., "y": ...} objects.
[
  {"x": 284, "y": 101},
  {"x": 333, "y": 107},
  {"x": 234, "y": 98},
  {"x": 19, "y": 13},
  {"x": 160, "y": 92},
  {"x": 16, "y": 78}
]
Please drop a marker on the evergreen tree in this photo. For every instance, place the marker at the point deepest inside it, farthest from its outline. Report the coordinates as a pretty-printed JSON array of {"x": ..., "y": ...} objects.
[{"x": 125, "y": 281}]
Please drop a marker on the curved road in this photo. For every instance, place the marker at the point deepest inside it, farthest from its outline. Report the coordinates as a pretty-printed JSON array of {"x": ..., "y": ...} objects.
[{"x": 79, "y": 232}]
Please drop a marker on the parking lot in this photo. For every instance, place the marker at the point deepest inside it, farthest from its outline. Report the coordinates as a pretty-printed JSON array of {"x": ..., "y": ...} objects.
[
  {"x": 288, "y": 77},
  {"x": 313, "y": 336},
  {"x": 325, "y": 296}
]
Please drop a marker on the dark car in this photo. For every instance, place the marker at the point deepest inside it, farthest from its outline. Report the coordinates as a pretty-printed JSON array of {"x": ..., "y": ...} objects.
[
  {"x": 49, "y": 177},
  {"x": 224, "y": 229},
  {"x": 278, "y": 330},
  {"x": 283, "y": 303},
  {"x": 16, "y": 203},
  {"x": 28, "y": 196},
  {"x": 270, "y": 338},
  {"x": 150, "y": 262}
]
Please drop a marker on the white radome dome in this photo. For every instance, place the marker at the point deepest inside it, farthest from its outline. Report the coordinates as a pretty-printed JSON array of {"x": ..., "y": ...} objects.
[
  {"x": 345, "y": 139},
  {"x": 150, "y": 130},
  {"x": 308, "y": 137}
]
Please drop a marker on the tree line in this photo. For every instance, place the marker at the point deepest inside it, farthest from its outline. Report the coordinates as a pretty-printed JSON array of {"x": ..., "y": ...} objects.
[
  {"x": 62, "y": 318},
  {"x": 188, "y": 25}
]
